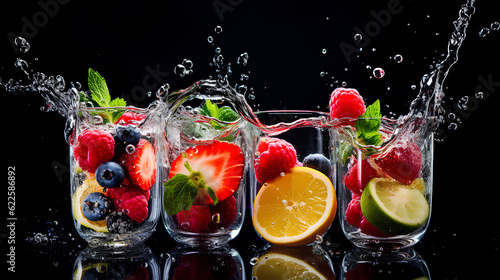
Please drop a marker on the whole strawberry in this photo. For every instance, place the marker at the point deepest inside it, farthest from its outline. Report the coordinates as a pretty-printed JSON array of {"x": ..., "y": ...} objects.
[
  {"x": 346, "y": 103},
  {"x": 402, "y": 163},
  {"x": 93, "y": 148},
  {"x": 273, "y": 156}
]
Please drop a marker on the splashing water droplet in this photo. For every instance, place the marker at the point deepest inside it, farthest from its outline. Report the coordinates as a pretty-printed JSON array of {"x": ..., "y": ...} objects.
[
  {"x": 479, "y": 95},
  {"x": 218, "y": 29},
  {"x": 210, "y": 39},
  {"x": 22, "y": 44},
  {"x": 484, "y": 32},
  {"x": 344, "y": 83},
  {"x": 322, "y": 74},
  {"x": 452, "y": 126},
  {"x": 398, "y": 58},
  {"x": 242, "y": 59},
  {"x": 378, "y": 73},
  {"x": 180, "y": 70},
  {"x": 495, "y": 26},
  {"x": 358, "y": 37},
  {"x": 254, "y": 261},
  {"x": 323, "y": 51}
]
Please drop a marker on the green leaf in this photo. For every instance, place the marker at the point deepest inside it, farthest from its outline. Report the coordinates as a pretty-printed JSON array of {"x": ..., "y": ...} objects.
[
  {"x": 179, "y": 194},
  {"x": 212, "y": 195},
  {"x": 368, "y": 124},
  {"x": 210, "y": 110},
  {"x": 98, "y": 88}
]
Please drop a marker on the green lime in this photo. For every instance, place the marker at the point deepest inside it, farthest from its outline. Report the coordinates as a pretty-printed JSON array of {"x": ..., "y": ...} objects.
[{"x": 394, "y": 208}]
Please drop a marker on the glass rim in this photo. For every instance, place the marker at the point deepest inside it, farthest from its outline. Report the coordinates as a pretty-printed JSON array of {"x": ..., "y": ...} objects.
[
  {"x": 130, "y": 108},
  {"x": 291, "y": 112}
]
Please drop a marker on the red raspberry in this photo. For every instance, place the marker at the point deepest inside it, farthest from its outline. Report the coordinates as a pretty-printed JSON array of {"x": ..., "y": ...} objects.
[
  {"x": 353, "y": 214},
  {"x": 223, "y": 214},
  {"x": 402, "y": 163},
  {"x": 273, "y": 156},
  {"x": 356, "y": 178},
  {"x": 367, "y": 228},
  {"x": 131, "y": 201},
  {"x": 196, "y": 219},
  {"x": 130, "y": 118},
  {"x": 93, "y": 148},
  {"x": 346, "y": 103}
]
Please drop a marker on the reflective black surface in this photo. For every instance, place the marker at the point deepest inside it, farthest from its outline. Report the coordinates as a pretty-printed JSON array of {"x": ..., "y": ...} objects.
[{"x": 136, "y": 46}]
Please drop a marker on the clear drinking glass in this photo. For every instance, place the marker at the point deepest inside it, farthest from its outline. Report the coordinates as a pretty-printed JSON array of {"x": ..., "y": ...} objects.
[
  {"x": 213, "y": 157},
  {"x": 115, "y": 193},
  {"x": 385, "y": 191},
  {"x": 305, "y": 139}
]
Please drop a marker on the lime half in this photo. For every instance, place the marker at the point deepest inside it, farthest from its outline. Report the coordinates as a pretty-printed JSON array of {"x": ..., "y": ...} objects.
[{"x": 394, "y": 208}]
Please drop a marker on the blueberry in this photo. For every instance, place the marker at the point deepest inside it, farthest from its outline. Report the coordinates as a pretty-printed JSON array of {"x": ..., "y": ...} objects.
[
  {"x": 93, "y": 274},
  {"x": 96, "y": 206},
  {"x": 109, "y": 175},
  {"x": 320, "y": 163},
  {"x": 127, "y": 135}
]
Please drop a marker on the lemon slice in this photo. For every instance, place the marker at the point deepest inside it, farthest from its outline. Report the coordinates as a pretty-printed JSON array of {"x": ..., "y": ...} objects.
[
  {"x": 280, "y": 266},
  {"x": 291, "y": 210},
  {"x": 90, "y": 185},
  {"x": 394, "y": 208}
]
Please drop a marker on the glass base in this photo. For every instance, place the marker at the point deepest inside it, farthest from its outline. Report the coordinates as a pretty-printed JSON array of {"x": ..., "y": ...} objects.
[
  {"x": 211, "y": 240},
  {"x": 362, "y": 240},
  {"x": 116, "y": 241}
]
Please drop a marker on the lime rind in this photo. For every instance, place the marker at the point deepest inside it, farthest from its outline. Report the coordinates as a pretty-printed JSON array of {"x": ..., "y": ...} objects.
[{"x": 393, "y": 208}]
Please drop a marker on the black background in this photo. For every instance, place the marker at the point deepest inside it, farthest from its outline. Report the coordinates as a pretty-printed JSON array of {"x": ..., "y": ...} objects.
[{"x": 284, "y": 40}]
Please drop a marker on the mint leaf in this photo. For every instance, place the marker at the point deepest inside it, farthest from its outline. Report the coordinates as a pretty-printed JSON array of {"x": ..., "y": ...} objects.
[
  {"x": 212, "y": 195},
  {"x": 368, "y": 124},
  {"x": 98, "y": 88},
  {"x": 179, "y": 194}
]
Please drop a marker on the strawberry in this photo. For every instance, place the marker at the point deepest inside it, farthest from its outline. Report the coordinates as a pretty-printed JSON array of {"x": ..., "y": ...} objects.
[
  {"x": 140, "y": 165},
  {"x": 346, "y": 103},
  {"x": 196, "y": 219},
  {"x": 131, "y": 201},
  {"x": 353, "y": 214},
  {"x": 273, "y": 156},
  {"x": 402, "y": 163},
  {"x": 130, "y": 118},
  {"x": 93, "y": 148},
  {"x": 357, "y": 177},
  {"x": 218, "y": 165}
]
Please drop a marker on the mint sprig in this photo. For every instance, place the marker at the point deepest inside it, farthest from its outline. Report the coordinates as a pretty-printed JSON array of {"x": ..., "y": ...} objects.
[
  {"x": 224, "y": 113},
  {"x": 99, "y": 95},
  {"x": 368, "y": 125},
  {"x": 181, "y": 190}
]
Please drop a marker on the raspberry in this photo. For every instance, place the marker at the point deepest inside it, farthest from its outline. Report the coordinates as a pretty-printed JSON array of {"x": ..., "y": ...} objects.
[
  {"x": 353, "y": 214},
  {"x": 367, "y": 228},
  {"x": 93, "y": 148},
  {"x": 196, "y": 219},
  {"x": 346, "y": 103},
  {"x": 356, "y": 179},
  {"x": 273, "y": 156},
  {"x": 223, "y": 214},
  {"x": 402, "y": 163},
  {"x": 131, "y": 200}
]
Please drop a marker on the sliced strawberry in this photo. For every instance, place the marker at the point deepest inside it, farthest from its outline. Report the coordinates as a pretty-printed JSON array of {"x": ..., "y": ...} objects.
[
  {"x": 140, "y": 165},
  {"x": 221, "y": 165}
]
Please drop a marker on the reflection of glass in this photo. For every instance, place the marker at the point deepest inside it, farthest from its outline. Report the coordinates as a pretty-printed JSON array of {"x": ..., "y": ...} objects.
[
  {"x": 291, "y": 156},
  {"x": 385, "y": 192},
  {"x": 192, "y": 263},
  {"x": 361, "y": 264},
  {"x": 133, "y": 263},
  {"x": 204, "y": 196},
  {"x": 114, "y": 192},
  {"x": 303, "y": 262}
]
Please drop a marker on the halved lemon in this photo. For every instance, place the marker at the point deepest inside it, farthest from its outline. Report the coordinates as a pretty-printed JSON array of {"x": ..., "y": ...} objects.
[
  {"x": 90, "y": 185},
  {"x": 282, "y": 266},
  {"x": 291, "y": 210}
]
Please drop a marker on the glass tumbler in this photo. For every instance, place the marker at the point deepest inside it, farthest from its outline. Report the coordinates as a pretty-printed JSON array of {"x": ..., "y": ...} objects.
[
  {"x": 385, "y": 191},
  {"x": 204, "y": 198},
  {"x": 290, "y": 207},
  {"x": 115, "y": 195}
]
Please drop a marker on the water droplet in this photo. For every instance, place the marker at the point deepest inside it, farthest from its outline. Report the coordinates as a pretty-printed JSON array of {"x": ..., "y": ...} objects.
[
  {"x": 251, "y": 97},
  {"x": 344, "y": 83},
  {"x": 322, "y": 74},
  {"x": 218, "y": 29},
  {"x": 452, "y": 126},
  {"x": 210, "y": 39},
  {"x": 479, "y": 95},
  {"x": 398, "y": 58},
  {"x": 378, "y": 73},
  {"x": 323, "y": 51},
  {"x": 22, "y": 44},
  {"x": 97, "y": 120},
  {"x": 130, "y": 149},
  {"x": 242, "y": 59},
  {"x": 284, "y": 202},
  {"x": 319, "y": 239},
  {"x": 484, "y": 32},
  {"x": 254, "y": 261},
  {"x": 242, "y": 89},
  {"x": 495, "y": 26},
  {"x": 358, "y": 37},
  {"x": 282, "y": 174},
  {"x": 180, "y": 70},
  {"x": 413, "y": 87},
  {"x": 216, "y": 218}
]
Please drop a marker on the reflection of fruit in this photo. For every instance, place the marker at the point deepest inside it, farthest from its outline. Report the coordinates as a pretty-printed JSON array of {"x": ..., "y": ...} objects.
[
  {"x": 93, "y": 271},
  {"x": 205, "y": 265},
  {"x": 402, "y": 163},
  {"x": 109, "y": 174},
  {"x": 140, "y": 165},
  {"x": 291, "y": 210},
  {"x": 283, "y": 266},
  {"x": 221, "y": 165},
  {"x": 359, "y": 175},
  {"x": 88, "y": 186},
  {"x": 273, "y": 157},
  {"x": 394, "y": 208},
  {"x": 346, "y": 103},
  {"x": 93, "y": 148},
  {"x": 196, "y": 219}
]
